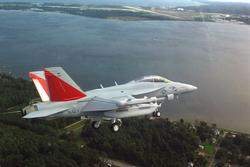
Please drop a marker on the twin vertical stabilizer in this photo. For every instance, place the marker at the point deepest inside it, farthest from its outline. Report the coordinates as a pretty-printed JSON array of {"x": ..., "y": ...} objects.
[
  {"x": 39, "y": 80},
  {"x": 54, "y": 84}
]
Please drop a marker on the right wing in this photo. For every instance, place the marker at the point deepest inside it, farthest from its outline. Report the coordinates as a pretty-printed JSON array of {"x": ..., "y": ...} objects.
[{"x": 45, "y": 113}]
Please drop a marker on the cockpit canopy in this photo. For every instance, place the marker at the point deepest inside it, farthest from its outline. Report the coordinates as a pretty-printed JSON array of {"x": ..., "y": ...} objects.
[{"x": 152, "y": 78}]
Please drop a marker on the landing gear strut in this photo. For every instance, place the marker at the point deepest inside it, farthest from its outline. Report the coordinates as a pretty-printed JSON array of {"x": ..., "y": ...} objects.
[
  {"x": 23, "y": 112},
  {"x": 96, "y": 124}
]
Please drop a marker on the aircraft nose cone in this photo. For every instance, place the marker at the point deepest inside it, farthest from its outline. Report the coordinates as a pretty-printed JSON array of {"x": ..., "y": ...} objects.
[{"x": 191, "y": 88}]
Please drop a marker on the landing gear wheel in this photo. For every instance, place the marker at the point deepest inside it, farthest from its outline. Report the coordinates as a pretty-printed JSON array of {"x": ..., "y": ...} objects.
[
  {"x": 95, "y": 124},
  {"x": 157, "y": 114},
  {"x": 115, "y": 127}
]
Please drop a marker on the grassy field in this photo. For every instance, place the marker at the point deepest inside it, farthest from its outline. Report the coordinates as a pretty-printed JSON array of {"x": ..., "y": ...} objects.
[{"x": 209, "y": 148}]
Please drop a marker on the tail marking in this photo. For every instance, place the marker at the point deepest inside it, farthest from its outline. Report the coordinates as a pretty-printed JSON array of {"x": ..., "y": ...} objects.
[{"x": 61, "y": 86}]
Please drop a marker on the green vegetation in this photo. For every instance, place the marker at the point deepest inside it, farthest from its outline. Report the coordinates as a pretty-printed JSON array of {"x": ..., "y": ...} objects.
[
  {"x": 234, "y": 150},
  {"x": 15, "y": 92},
  {"x": 209, "y": 148},
  {"x": 150, "y": 143},
  {"x": 40, "y": 143},
  {"x": 35, "y": 142},
  {"x": 21, "y": 147}
]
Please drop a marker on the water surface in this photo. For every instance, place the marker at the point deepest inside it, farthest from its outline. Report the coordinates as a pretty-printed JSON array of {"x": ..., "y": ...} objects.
[{"x": 215, "y": 57}]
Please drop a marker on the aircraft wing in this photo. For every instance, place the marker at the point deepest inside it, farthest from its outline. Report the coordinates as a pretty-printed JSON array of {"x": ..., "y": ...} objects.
[
  {"x": 101, "y": 104},
  {"x": 44, "y": 113},
  {"x": 98, "y": 104}
]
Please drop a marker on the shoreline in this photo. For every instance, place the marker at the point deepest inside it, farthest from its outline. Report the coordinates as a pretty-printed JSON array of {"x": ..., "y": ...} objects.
[{"x": 127, "y": 13}]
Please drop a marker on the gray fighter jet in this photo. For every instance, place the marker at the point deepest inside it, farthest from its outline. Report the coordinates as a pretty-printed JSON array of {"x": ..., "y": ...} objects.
[{"x": 62, "y": 97}]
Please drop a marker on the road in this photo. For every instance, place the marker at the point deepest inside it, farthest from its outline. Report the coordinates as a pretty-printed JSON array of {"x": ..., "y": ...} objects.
[{"x": 118, "y": 163}]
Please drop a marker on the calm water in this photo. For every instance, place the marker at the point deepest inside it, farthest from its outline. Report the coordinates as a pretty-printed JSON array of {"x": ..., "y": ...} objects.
[{"x": 214, "y": 57}]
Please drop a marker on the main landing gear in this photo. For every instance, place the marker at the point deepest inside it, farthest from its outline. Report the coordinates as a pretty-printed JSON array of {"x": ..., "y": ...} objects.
[
  {"x": 116, "y": 124},
  {"x": 156, "y": 114}
]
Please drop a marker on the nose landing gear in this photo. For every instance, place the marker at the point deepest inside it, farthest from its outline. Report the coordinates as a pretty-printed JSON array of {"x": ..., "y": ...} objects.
[{"x": 96, "y": 124}]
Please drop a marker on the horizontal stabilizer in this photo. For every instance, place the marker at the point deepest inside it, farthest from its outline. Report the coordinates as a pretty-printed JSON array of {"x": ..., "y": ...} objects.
[{"x": 44, "y": 113}]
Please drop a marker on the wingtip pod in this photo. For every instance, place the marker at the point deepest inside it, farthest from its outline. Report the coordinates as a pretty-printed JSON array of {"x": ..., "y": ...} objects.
[
  {"x": 61, "y": 87},
  {"x": 39, "y": 80}
]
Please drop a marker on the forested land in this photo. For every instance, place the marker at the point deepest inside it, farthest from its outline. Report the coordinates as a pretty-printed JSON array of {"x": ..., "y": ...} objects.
[{"x": 140, "y": 141}]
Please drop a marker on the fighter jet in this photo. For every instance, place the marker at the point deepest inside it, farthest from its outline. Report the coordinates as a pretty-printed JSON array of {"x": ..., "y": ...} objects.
[{"x": 62, "y": 97}]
